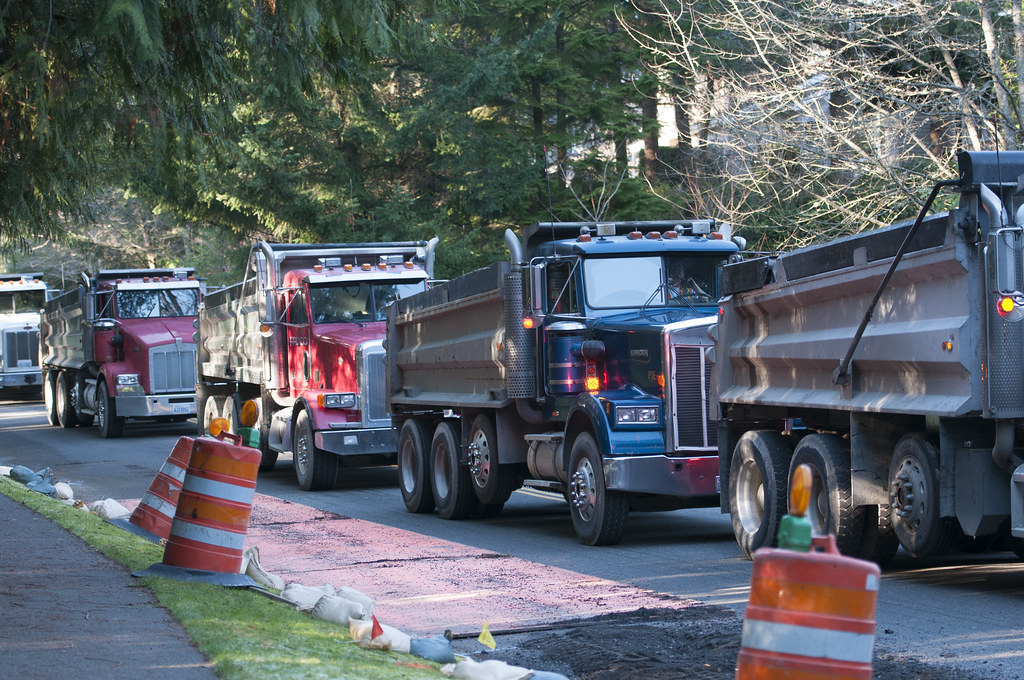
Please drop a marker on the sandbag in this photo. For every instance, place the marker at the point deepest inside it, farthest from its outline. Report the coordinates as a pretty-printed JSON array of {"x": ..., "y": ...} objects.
[
  {"x": 437, "y": 649},
  {"x": 252, "y": 568},
  {"x": 391, "y": 638},
  {"x": 305, "y": 597},
  {"x": 24, "y": 475},
  {"x": 369, "y": 604},
  {"x": 64, "y": 492},
  {"x": 108, "y": 508},
  {"x": 337, "y": 609},
  {"x": 492, "y": 669}
]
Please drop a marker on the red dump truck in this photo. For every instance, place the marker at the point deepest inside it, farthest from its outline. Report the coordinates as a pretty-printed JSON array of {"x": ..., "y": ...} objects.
[
  {"x": 120, "y": 347},
  {"x": 302, "y": 337}
]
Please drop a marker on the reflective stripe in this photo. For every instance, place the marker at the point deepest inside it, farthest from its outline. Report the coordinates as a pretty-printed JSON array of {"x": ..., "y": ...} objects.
[
  {"x": 173, "y": 471},
  {"x": 215, "y": 489},
  {"x": 158, "y": 504},
  {"x": 822, "y": 643},
  {"x": 208, "y": 535}
]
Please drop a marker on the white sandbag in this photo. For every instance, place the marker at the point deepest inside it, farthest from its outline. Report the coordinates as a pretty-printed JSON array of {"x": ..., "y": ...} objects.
[
  {"x": 391, "y": 638},
  {"x": 252, "y": 568},
  {"x": 369, "y": 604},
  {"x": 64, "y": 491},
  {"x": 337, "y": 609},
  {"x": 305, "y": 597},
  {"x": 492, "y": 669},
  {"x": 108, "y": 508}
]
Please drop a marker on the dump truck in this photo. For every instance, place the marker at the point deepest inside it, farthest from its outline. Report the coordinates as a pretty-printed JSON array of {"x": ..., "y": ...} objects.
[
  {"x": 301, "y": 337},
  {"x": 119, "y": 347},
  {"x": 575, "y": 367},
  {"x": 22, "y": 296},
  {"x": 892, "y": 363}
]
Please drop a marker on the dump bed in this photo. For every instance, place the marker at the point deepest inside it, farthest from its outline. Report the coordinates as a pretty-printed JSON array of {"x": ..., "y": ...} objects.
[
  {"x": 788, "y": 322},
  {"x": 447, "y": 346},
  {"x": 63, "y": 338}
]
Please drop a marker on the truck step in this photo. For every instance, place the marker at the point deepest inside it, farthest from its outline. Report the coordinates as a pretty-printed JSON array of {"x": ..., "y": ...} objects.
[
  {"x": 544, "y": 437},
  {"x": 1017, "y": 502},
  {"x": 544, "y": 485}
]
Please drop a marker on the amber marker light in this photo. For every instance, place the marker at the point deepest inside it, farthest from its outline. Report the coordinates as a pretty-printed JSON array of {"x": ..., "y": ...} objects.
[
  {"x": 249, "y": 413},
  {"x": 800, "y": 490},
  {"x": 528, "y": 322},
  {"x": 1005, "y": 305},
  {"x": 217, "y": 426}
]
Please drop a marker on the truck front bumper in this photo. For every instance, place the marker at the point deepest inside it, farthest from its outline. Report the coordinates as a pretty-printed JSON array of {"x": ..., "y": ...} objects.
[
  {"x": 687, "y": 477},
  {"x": 156, "y": 405},
  {"x": 357, "y": 442},
  {"x": 31, "y": 379}
]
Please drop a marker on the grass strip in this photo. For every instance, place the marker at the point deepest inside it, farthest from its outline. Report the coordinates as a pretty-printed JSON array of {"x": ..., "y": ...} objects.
[{"x": 245, "y": 635}]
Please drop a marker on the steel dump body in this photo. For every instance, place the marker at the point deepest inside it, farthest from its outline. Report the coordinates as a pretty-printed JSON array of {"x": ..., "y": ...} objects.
[
  {"x": 892, "y": 363},
  {"x": 431, "y": 365},
  {"x": 921, "y": 354},
  {"x": 21, "y": 298},
  {"x": 306, "y": 324}
]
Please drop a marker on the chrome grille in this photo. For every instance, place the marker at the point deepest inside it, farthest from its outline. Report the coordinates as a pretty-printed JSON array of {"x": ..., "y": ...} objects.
[
  {"x": 172, "y": 368},
  {"x": 691, "y": 387},
  {"x": 373, "y": 385},
  {"x": 21, "y": 349}
]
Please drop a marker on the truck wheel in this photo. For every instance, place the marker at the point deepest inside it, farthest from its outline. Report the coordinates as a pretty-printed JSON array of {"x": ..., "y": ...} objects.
[
  {"x": 598, "y": 515},
  {"x": 879, "y": 543},
  {"x": 914, "y": 498},
  {"x": 315, "y": 470},
  {"x": 208, "y": 409},
  {"x": 84, "y": 419},
  {"x": 450, "y": 482},
  {"x": 65, "y": 403},
  {"x": 492, "y": 481},
  {"x": 111, "y": 424},
  {"x": 414, "y": 468},
  {"x": 757, "y": 488},
  {"x": 50, "y": 398},
  {"x": 831, "y": 510}
]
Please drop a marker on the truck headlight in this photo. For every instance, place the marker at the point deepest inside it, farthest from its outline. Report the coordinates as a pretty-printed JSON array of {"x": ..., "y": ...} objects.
[
  {"x": 127, "y": 379},
  {"x": 342, "y": 400},
  {"x": 636, "y": 414}
]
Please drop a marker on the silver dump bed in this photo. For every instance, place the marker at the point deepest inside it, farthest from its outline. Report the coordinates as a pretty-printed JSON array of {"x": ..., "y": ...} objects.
[{"x": 788, "y": 322}]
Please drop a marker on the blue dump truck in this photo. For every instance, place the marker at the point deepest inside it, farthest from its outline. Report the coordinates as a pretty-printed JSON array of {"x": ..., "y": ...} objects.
[{"x": 578, "y": 367}]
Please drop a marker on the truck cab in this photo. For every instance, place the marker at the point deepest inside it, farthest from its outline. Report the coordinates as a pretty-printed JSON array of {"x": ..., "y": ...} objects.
[{"x": 21, "y": 298}]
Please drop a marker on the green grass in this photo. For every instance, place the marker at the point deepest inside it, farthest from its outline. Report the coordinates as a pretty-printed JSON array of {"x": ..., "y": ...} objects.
[{"x": 245, "y": 635}]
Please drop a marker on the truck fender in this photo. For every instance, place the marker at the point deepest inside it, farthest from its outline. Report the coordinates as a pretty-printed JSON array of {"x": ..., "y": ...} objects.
[{"x": 586, "y": 415}]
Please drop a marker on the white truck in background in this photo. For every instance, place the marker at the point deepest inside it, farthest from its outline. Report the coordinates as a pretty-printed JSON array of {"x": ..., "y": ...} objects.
[{"x": 22, "y": 296}]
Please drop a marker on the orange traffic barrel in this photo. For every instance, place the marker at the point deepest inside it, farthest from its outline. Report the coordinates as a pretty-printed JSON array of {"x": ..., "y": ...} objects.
[
  {"x": 155, "y": 511},
  {"x": 212, "y": 516},
  {"x": 811, "y": 615}
]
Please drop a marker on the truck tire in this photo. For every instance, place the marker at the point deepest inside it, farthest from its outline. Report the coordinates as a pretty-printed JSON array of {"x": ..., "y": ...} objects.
[
  {"x": 315, "y": 470},
  {"x": 914, "y": 498},
  {"x": 208, "y": 408},
  {"x": 268, "y": 457},
  {"x": 598, "y": 515},
  {"x": 50, "y": 398},
  {"x": 879, "y": 543},
  {"x": 831, "y": 510},
  {"x": 84, "y": 419},
  {"x": 414, "y": 468},
  {"x": 758, "y": 479},
  {"x": 493, "y": 482},
  {"x": 65, "y": 403},
  {"x": 110, "y": 424},
  {"x": 450, "y": 482}
]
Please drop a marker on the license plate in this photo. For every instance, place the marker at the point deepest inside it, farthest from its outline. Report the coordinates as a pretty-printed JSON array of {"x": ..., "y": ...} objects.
[{"x": 182, "y": 408}]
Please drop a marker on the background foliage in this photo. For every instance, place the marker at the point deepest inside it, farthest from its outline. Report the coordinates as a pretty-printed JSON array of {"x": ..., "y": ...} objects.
[{"x": 176, "y": 132}]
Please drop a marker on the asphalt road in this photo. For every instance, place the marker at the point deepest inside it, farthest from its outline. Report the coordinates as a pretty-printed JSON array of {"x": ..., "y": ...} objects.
[{"x": 960, "y": 612}]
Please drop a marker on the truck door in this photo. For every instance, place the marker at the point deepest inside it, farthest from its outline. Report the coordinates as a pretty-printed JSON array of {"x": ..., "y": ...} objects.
[{"x": 299, "y": 360}]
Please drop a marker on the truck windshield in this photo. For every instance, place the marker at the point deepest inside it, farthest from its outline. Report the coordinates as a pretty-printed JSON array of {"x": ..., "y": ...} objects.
[
  {"x": 357, "y": 302},
  {"x": 163, "y": 302},
  {"x": 22, "y": 301},
  {"x": 653, "y": 281}
]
